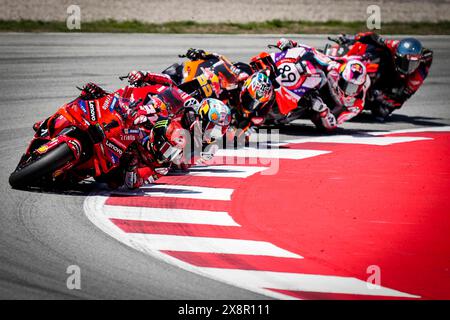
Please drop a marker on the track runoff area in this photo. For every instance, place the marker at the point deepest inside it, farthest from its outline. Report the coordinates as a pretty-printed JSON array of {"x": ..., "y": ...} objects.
[{"x": 324, "y": 217}]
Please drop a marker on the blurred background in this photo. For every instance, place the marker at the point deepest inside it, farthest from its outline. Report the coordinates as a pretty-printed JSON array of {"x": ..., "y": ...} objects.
[{"x": 157, "y": 11}]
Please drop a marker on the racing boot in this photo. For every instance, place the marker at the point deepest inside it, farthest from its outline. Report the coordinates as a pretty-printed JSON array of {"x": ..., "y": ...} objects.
[{"x": 326, "y": 118}]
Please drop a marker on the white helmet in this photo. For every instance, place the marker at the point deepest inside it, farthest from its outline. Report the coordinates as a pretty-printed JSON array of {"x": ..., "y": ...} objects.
[{"x": 352, "y": 76}]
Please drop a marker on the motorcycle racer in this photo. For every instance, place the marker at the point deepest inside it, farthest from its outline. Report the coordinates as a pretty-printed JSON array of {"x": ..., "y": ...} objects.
[
  {"x": 153, "y": 156},
  {"x": 165, "y": 136},
  {"x": 214, "y": 122},
  {"x": 347, "y": 82},
  {"x": 300, "y": 72},
  {"x": 250, "y": 96},
  {"x": 203, "y": 123},
  {"x": 347, "y": 85},
  {"x": 404, "y": 65}
]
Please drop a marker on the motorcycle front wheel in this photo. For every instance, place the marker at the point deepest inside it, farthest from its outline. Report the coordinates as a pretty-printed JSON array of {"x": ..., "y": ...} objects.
[{"x": 34, "y": 172}]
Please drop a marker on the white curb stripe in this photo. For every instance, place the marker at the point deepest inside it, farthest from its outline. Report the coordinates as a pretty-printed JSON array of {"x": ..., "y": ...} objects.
[
  {"x": 377, "y": 141},
  {"x": 225, "y": 171},
  {"x": 189, "y": 192},
  {"x": 293, "y": 154},
  {"x": 169, "y": 215},
  {"x": 211, "y": 245},
  {"x": 414, "y": 130},
  {"x": 304, "y": 282}
]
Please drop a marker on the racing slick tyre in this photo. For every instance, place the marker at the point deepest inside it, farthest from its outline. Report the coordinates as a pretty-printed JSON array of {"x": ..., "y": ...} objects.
[{"x": 33, "y": 173}]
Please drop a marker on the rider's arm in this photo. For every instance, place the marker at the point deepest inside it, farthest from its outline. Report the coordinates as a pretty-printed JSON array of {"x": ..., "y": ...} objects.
[
  {"x": 284, "y": 44},
  {"x": 136, "y": 77},
  {"x": 375, "y": 39},
  {"x": 157, "y": 78},
  {"x": 351, "y": 112},
  {"x": 138, "y": 175},
  {"x": 200, "y": 54}
]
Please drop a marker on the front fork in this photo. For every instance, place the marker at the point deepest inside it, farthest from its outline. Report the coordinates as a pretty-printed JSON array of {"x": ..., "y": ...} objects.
[{"x": 72, "y": 143}]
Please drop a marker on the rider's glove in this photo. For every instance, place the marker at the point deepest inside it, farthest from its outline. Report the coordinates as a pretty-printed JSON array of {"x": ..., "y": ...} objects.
[
  {"x": 92, "y": 91},
  {"x": 195, "y": 54},
  {"x": 319, "y": 106},
  {"x": 344, "y": 39},
  {"x": 284, "y": 44},
  {"x": 208, "y": 153},
  {"x": 250, "y": 130},
  {"x": 131, "y": 176},
  {"x": 134, "y": 77}
]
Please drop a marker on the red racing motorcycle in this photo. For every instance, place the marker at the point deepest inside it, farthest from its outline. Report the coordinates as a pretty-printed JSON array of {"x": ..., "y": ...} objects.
[{"x": 84, "y": 138}]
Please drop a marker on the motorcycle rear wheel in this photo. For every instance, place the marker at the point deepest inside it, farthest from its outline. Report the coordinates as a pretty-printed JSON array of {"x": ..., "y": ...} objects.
[{"x": 33, "y": 173}]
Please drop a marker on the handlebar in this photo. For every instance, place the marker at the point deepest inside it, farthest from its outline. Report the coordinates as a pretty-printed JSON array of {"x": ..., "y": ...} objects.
[
  {"x": 123, "y": 77},
  {"x": 336, "y": 40},
  {"x": 270, "y": 46}
]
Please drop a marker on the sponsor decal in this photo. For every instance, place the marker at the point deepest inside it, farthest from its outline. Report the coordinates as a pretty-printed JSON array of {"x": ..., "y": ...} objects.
[
  {"x": 114, "y": 147},
  {"x": 42, "y": 149},
  {"x": 82, "y": 105},
  {"x": 92, "y": 111},
  {"x": 106, "y": 103},
  {"x": 131, "y": 131},
  {"x": 113, "y": 104},
  {"x": 127, "y": 137},
  {"x": 114, "y": 159}
]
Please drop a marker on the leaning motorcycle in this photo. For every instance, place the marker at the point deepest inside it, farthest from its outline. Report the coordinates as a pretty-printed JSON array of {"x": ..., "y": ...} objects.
[
  {"x": 84, "y": 138},
  {"x": 295, "y": 85},
  {"x": 372, "y": 57}
]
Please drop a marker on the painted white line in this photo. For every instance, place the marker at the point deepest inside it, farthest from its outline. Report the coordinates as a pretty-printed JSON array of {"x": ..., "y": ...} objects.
[
  {"x": 377, "y": 141},
  {"x": 169, "y": 215},
  {"x": 176, "y": 191},
  {"x": 93, "y": 207},
  {"x": 225, "y": 171},
  {"x": 304, "y": 282},
  {"x": 414, "y": 130},
  {"x": 211, "y": 245},
  {"x": 294, "y": 154}
]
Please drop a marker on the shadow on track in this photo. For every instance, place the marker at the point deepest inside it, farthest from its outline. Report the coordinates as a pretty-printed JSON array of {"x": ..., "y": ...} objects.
[
  {"x": 81, "y": 189},
  {"x": 401, "y": 118}
]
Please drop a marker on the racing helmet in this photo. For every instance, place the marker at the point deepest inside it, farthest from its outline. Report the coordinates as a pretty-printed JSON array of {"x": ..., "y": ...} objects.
[
  {"x": 166, "y": 140},
  {"x": 352, "y": 76},
  {"x": 408, "y": 55},
  {"x": 256, "y": 92},
  {"x": 215, "y": 117}
]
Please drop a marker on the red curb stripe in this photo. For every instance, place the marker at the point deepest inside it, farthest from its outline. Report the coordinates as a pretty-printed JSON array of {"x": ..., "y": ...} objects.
[
  {"x": 200, "y": 181},
  {"x": 251, "y": 262},
  {"x": 333, "y": 296},
  {"x": 163, "y": 202},
  {"x": 183, "y": 229}
]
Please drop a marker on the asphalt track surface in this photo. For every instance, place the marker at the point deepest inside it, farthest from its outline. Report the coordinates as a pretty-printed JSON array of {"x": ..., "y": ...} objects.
[{"x": 41, "y": 233}]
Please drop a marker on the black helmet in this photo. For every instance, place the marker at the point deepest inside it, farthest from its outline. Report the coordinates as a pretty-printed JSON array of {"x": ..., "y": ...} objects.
[
  {"x": 166, "y": 140},
  {"x": 408, "y": 55}
]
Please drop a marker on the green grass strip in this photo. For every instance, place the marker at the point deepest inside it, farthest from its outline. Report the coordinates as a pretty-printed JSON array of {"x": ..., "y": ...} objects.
[{"x": 272, "y": 26}]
